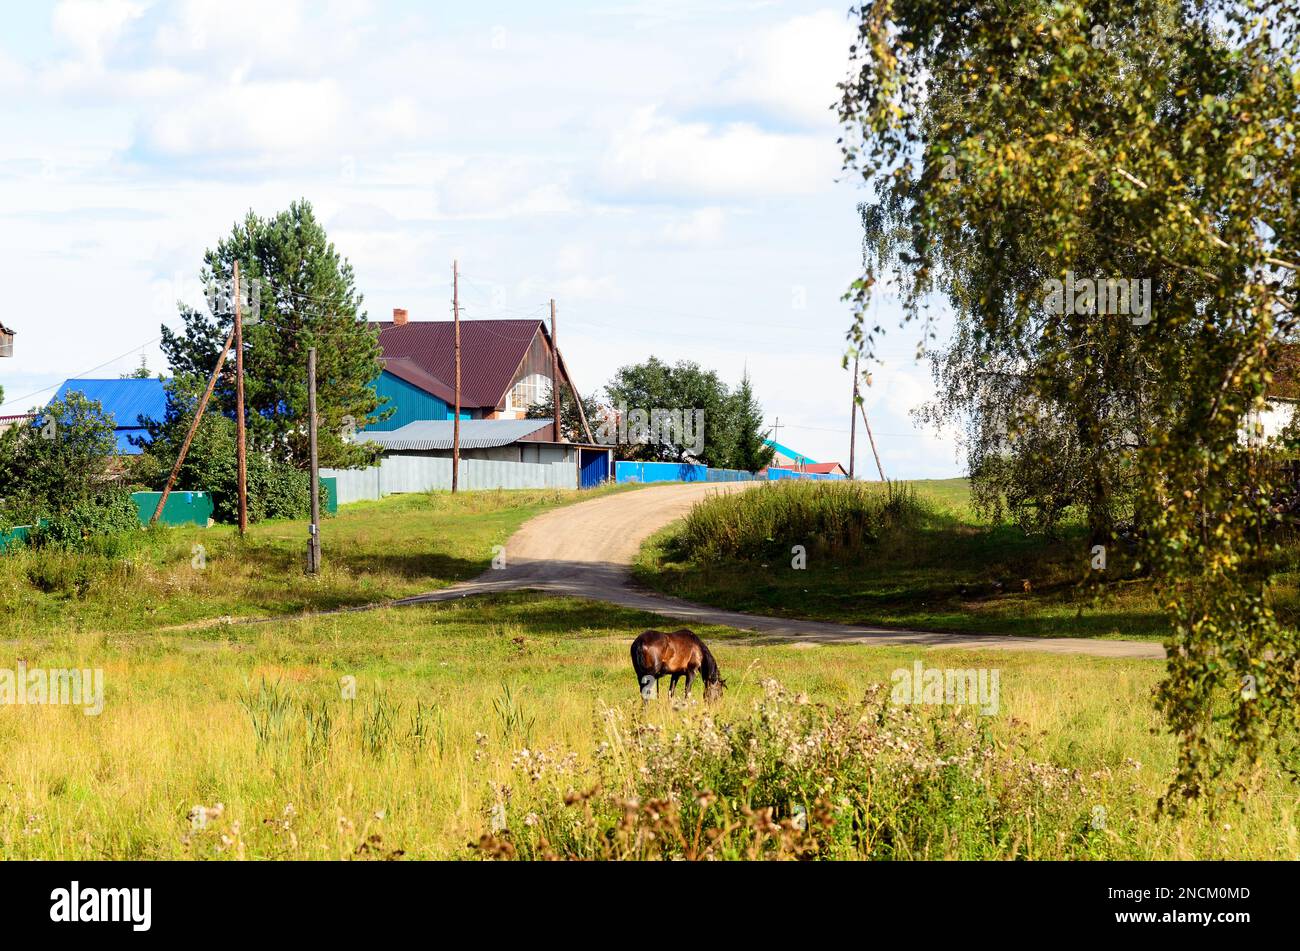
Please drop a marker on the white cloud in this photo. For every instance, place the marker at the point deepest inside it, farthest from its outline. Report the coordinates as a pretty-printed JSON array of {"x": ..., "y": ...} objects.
[
  {"x": 91, "y": 27},
  {"x": 658, "y": 155},
  {"x": 249, "y": 118},
  {"x": 12, "y": 73},
  {"x": 702, "y": 226},
  {"x": 792, "y": 69}
]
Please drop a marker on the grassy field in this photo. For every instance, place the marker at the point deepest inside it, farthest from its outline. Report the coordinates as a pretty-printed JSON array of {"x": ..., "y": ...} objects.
[
  {"x": 253, "y": 717},
  {"x": 373, "y": 551},
  {"x": 512, "y": 727},
  {"x": 953, "y": 572}
]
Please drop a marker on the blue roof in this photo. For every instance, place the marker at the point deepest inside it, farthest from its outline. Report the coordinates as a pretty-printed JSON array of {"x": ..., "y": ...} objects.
[
  {"x": 789, "y": 453},
  {"x": 124, "y": 402}
]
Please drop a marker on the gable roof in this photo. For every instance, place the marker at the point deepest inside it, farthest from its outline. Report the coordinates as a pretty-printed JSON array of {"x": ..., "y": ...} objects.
[
  {"x": 124, "y": 402},
  {"x": 474, "y": 433},
  {"x": 5, "y": 330},
  {"x": 407, "y": 369},
  {"x": 490, "y": 353},
  {"x": 825, "y": 468},
  {"x": 787, "y": 452}
]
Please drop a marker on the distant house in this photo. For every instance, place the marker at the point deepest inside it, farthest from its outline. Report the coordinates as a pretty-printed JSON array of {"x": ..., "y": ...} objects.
[
  {"x": 124, "y": 403},
  {"x": 818, "y": 468},
  {"x": 17, "y": 419},
  {"x": 786, "y": 457},
  {"x": 6, "y": 341},
  {"x": 1281, "y": 400},
  {"x": 505, "y": 368}
]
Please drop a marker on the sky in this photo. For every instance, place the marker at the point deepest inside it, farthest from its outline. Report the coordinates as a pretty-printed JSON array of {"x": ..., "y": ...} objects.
[{"x": 667, "y": 171}]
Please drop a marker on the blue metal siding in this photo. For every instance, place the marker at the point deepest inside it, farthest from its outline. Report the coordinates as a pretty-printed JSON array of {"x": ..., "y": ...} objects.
[
  {"x": 411, "y": 402},
  {"x": 595, "y": 467}
]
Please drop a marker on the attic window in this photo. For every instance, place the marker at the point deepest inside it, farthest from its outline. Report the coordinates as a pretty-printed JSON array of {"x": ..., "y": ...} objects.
[{"x": 527, "y": 392}]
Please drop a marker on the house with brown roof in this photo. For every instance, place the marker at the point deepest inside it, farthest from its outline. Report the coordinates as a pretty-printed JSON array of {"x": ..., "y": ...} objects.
[
  {"x": 505, "y": 368},
  {"x": 6, "y": 341}
]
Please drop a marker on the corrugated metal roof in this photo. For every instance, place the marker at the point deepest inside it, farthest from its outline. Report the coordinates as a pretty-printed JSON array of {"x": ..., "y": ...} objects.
[
  {"x": 787, "y": 452},
  {"x": 474, "y": 433},
  {"x": 490, "y": 353},
  {"x": 406, "y": 369},
  {"x": 819, "y": 467},
  {"x": 123, "y": 400}
]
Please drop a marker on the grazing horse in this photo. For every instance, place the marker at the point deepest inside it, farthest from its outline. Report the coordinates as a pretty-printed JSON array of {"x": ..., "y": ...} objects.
[{"x": 681, "y": 653}]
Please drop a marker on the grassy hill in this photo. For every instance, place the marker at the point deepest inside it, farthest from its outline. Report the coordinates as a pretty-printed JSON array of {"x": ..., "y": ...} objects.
[{"x": 945, "y": 570}]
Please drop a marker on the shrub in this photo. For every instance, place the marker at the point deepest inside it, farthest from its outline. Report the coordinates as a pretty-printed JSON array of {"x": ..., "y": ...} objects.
[
  {"x": 95, "y": 523},
  {"x": 794, "y": 780},
  {"x": 844, "y": 517}
]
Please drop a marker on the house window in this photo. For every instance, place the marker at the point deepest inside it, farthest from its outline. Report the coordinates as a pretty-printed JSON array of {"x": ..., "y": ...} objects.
[{"x": 528, "y": 391}]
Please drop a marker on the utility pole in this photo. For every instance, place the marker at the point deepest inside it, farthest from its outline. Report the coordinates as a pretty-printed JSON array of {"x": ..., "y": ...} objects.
[
  {"x": 853, "y": 419},
  {"x": 555, "y": 374},
  {"x": 194, "y": 427},
  {"x": 455, "y": 425},
  {"x": 873, "y": 442},
  {"x": 240, "y": 429},
  {"x": 313, "y": 541}
]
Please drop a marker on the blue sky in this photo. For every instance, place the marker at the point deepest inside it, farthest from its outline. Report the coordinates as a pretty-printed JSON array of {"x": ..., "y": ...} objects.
[{"x": 667, "y": 171}]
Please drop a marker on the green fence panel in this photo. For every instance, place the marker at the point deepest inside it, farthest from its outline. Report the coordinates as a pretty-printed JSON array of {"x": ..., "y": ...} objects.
[
  {"x": 14, "y": 537},
  {"x": 182, "y": 508},
  {"x": 331, "y": 496}
]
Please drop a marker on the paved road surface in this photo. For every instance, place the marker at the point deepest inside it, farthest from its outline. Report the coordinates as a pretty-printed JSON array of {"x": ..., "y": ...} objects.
[{"x": 585, "y": 550}]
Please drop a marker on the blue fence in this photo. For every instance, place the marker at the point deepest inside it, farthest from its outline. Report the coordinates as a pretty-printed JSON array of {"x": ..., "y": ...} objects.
[
  {"x": 659, "y": 472},
  {"x": 681, "y": 472}
]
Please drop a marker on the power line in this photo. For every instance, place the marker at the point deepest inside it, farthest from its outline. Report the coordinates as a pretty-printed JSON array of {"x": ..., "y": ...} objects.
[{"x": 131, "y": 352}]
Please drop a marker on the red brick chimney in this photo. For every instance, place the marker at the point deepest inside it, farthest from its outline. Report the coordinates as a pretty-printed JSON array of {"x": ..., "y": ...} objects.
[{"x": 399, "y": 316}]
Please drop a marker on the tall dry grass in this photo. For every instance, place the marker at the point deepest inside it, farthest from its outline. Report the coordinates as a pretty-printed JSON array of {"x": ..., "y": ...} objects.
[{"x": 833, "y": 516}]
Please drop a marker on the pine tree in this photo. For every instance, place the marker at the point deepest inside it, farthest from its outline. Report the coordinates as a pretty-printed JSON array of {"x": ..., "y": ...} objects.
[
  {"x": 752, "y": 452},
  {"x": 305, "y": 296}
]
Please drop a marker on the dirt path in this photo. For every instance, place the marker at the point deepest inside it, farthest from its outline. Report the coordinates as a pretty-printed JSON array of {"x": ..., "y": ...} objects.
[{"x": 585, "y": 551}]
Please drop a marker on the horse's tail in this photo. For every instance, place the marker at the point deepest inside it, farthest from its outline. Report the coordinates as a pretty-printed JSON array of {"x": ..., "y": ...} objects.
[
  {"x": 709, "y": 666},
  {"x": 638, "y": 664}
]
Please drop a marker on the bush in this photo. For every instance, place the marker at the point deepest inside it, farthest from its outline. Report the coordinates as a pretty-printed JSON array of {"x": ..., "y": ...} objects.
[
  {"x": 93, "y": 523},
  {"x": 275, "y": 489},
  {"x": 795, "y": 779},
  {"x": 844, "y": 517}
]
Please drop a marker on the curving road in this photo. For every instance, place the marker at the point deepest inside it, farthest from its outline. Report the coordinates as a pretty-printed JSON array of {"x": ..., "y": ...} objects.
[{"x": 585, "y": 550}]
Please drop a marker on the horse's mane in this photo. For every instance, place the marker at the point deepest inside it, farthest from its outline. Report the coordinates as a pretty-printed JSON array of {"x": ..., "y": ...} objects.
[{"x": 709, "y": 668}]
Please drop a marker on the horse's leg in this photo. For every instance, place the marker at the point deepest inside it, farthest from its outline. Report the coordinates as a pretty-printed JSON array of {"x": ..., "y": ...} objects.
[
  {"x": 690, "y": 677},
  {"x": 672, "y": 686}
]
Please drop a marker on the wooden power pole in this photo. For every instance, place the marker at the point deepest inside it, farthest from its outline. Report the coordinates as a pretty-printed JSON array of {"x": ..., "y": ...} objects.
[
  {"x": 555, "y": 374},
  {"x": 313, "y": 540},
  {"x": 455, "y": 425},
  {"x": 194, "y": 427},
  {"x": 853, "y": 419},
  {"x": 873, "y": 442},
  {"x": 240, "y": 428}
]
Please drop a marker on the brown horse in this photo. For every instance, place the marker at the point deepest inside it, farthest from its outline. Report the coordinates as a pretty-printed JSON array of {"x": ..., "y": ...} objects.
[{"x": 680, "y": 654}]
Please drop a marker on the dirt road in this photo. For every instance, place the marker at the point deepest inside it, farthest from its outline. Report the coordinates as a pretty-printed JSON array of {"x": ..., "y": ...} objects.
[{"x": 585, "y": 550}]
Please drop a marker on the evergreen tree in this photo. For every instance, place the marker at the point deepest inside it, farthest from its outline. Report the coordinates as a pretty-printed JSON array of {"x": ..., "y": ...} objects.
[
  {"x": 299, "y": 293},
  {"x": 751, "y": 452}
]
